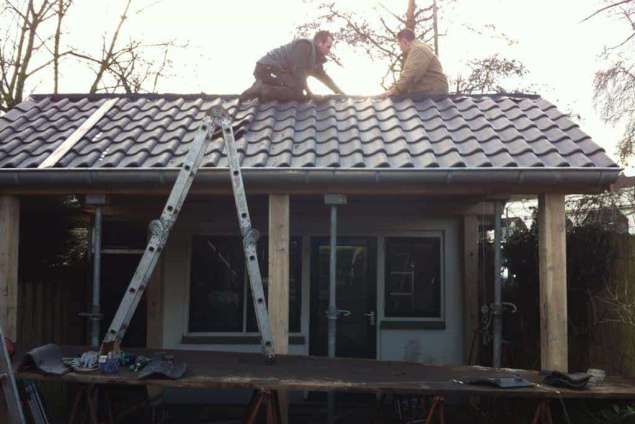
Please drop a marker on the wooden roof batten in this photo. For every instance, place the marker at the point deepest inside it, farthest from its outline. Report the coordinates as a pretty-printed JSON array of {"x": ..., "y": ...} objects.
[{"x": 77, "y": 135}]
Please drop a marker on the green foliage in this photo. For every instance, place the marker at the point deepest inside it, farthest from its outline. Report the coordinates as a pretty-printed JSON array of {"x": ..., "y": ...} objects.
[
  {"x": 616, "y": 413},
  {"x": 53, "y": 239},
  {"x": 520, "y": 251},
  {"x": 592, "y": 252}
]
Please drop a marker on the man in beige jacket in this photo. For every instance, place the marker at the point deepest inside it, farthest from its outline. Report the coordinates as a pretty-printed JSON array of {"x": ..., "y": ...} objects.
[{"x": 421, "y": 72}]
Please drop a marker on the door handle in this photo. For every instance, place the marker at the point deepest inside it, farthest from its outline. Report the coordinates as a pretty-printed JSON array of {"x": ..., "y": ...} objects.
[
  {"x": 371, "y": 318},
  {"x": 339, "y": 313}
]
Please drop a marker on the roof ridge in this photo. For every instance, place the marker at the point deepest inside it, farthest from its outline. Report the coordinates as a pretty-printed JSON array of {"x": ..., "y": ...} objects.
[{"x": 208, "y": 96}]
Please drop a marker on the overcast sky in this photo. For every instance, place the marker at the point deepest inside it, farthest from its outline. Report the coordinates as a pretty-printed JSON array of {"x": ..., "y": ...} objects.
[{"x": 225, "y": 38}]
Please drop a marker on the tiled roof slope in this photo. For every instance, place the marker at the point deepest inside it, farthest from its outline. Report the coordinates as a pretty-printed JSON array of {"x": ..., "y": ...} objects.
[{"x": 155, "y": 131}]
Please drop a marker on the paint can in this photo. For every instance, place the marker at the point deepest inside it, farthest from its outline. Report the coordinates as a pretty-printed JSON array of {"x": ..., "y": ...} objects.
[
  {"x": 597, "y": 376},
  {"x": 109, "y": 364}
]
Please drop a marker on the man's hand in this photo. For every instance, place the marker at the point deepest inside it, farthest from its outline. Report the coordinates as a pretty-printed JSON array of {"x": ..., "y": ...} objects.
[
  {"x": 318, "y": 98},
  {"x": 387, "y": 94}
]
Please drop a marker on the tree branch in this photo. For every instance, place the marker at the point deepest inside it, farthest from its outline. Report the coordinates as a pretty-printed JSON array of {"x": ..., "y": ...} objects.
[
  {"x": 610, "y": 6},
  {"x": 108, "y": 54},
  {"x": 84, "y": 56},
  {"x": 49, "y": 62},
  {"x": 630, "y": 37}
]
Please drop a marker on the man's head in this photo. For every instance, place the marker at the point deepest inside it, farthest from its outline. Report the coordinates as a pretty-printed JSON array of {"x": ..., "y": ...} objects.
[
  {"x": 323, "y": 40},
  {"x": 405, "y": 37}
]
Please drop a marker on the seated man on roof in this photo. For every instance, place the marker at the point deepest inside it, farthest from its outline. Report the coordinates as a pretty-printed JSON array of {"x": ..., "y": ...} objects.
[
  {"x": 421, "y": 72},
  {"x": 282, "y": 73}
]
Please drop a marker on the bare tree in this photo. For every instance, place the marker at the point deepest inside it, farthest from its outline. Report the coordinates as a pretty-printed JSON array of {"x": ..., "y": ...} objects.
[
  {"x": 61, "y": 9},
  {"x": 486, "y": 75},
  {"x": 375, "y": 35},
  {"x": 31, "y": 45},
  {"x": 623, "y": 10},
  {"x": 615, "y": 97},
  {"x": 614, "y": 85},
  {"x": 21, "y": 41}
]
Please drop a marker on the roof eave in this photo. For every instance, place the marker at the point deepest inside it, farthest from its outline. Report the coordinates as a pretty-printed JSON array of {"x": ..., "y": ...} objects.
[{"x": 493, "y": 180}]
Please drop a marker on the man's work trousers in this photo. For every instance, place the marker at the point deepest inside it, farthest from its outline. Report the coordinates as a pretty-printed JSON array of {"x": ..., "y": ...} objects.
[{"x": 273, "y": 84}]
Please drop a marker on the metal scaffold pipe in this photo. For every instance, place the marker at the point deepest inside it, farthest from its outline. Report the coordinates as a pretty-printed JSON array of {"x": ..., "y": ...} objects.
[
  {"x": 498, "y": 295},
  {"x": 333, "y": 200}
]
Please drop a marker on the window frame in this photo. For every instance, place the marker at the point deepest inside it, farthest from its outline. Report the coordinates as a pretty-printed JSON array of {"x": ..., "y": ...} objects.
[
  {"x": 187, "y": 334},
  {"x": 436, "y": 322}
]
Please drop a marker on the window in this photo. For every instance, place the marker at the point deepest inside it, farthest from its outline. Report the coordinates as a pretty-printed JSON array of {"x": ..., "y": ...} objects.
[
  {"x": 123, "y": 235},
  {"x": 220, "y": 298},
  {"x": 413, "y": 277}
]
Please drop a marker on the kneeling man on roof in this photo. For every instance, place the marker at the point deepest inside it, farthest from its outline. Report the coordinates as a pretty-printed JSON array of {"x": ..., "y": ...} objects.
[
  {"x": 282, "y": 73},
  {"x": 421, "y": 72}
]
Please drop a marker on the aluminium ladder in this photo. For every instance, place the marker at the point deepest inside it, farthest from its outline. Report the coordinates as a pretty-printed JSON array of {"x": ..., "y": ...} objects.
[
  {"x": 9, "y": 388},
  {"x": 160, "y": 230}
]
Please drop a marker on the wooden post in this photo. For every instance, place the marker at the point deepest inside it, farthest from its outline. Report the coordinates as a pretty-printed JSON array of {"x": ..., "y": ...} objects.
[
  {"x": 154, "y": 309},
  {"x": 154, "y": 319},
  {"x": 279, "y": 280},
  {"x": 9, "y": 242},
  {"x": 553, "y": 282},
  {"x": 470, "y": 286}
]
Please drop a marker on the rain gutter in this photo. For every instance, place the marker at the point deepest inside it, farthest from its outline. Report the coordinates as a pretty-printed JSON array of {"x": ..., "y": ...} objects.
[{"x": 589, "y": 178}]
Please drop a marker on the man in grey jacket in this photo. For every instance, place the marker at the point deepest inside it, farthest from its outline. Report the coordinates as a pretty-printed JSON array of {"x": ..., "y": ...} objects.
[{"x": 282, "y": 73}]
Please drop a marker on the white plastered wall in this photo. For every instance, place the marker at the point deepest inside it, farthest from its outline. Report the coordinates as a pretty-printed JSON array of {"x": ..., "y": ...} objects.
[{"x": 310, "y": 220}]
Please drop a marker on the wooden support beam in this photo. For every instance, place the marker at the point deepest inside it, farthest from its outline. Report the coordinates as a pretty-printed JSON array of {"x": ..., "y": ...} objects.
[
  {"x": 470, "y": 287},
  {"x": 9, "y": 242},
  {"x": 279, "y": 271},
  {"x": 154, "y": 309},
  {"x": 154, "y": 319},
  {"x": 279, "y": 280},
  {"x": 552, "y": 251}
]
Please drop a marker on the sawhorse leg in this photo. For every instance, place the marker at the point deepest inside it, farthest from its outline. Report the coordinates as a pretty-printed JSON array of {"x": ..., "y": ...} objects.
[
  {"x": 91, "y": 393},
  {"x": 260, "y": 397},
  {"x": 438, "y": 407},
  {"x": 543, "y": 413}
]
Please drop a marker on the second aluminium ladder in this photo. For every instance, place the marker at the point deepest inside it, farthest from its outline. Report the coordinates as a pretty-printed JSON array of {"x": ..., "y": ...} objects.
[{"x": 8, "y": 385}]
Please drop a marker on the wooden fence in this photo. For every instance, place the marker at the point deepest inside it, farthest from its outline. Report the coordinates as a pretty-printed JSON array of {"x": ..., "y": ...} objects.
[
  {"x": 48, "y": 312},
  {"x": 612, "y": 341}
]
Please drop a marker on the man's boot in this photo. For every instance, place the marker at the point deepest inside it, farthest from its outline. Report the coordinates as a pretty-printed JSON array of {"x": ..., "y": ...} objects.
[{"x": 252, "y": 92}]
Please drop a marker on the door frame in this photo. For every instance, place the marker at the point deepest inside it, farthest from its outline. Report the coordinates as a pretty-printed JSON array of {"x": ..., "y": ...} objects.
[
  {"x": 372, "y": 242},
  {"x": 380, "y": 261}
]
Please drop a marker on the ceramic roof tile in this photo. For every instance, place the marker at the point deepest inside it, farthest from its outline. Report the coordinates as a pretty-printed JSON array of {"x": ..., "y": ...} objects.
[
  {"x": 156, "y": 130},
  {"x": 600, "y": 159}
]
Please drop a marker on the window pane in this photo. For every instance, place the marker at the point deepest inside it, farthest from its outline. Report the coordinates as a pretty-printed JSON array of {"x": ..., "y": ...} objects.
[
  {"x": 123, "y": 234},
  {"x": 217, "y": 283},
  {"x": 295, "y": 283},
  {"x": 413, "y": 277}
]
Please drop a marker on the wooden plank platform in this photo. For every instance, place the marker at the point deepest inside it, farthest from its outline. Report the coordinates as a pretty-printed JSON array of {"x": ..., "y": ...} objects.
[{"x": 231, "y": 370}]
